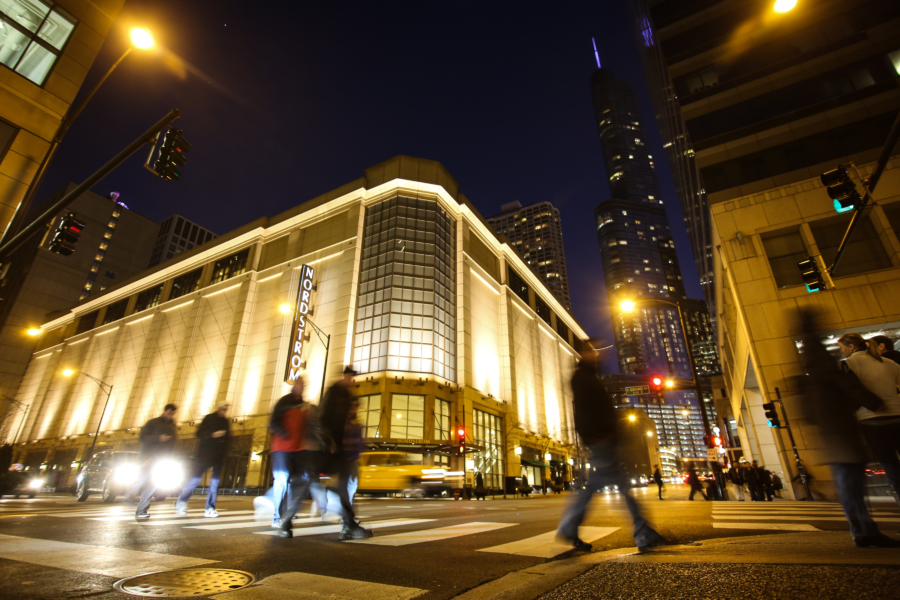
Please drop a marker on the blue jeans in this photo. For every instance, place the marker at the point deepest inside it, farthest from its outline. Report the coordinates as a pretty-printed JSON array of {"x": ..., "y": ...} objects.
[
  {"x": 605, "y": 470},
  {"x": 849, "y": 479},
  {"x": 199, "y": 469},
  {"x": 281, "y": 473}
]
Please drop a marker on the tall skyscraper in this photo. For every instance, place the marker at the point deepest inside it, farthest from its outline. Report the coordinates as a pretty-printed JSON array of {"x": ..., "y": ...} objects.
[
  {"x": 639, "y": 259},
  {"x": 535, "y": 232},
  {"x": 177, "y": 235}
]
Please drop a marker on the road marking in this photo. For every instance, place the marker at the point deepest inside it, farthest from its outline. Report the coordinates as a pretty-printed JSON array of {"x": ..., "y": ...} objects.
[
  {"x": 323, "y": 529},
  {"x": 168, "y": 515},
  {"x": 774, "y": 526},
  {"x": 303, "y": 586},
  {"x": 248, "y": 524},
  {"x": 805, "y": 517},
  {"x": 189, "y": 520},
  {"x": 432, "y": 535},
  {"x": 99, "y": 560},
  {"x": 545, "y": 544}
]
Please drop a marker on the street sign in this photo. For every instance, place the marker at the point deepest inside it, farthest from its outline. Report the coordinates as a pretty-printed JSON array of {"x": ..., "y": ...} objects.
[
  {"x": 637, "y": 390},
  {"x": 712, "y": 454}
]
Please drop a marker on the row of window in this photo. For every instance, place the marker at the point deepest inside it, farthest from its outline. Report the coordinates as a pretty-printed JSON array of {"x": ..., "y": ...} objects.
[{"x": 33, "y": 34}]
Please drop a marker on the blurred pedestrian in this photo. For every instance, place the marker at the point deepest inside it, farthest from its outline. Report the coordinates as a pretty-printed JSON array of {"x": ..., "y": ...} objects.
[
  {"x": 885, "y": 347},
  {"x": 693, "y": 480},
  {"x": 881, "y": 430},
  {"x": 157, "y": 443},
  {"x": 213, "y": 434},
  {"x": 290, "y": 454},
  {"x": 658, "y": 480},
  {"x": 333, "y": 415},
  {"x": 735, "y": 475},
  {"x": 765, "y": 484},
  {"x": 832, "y": 398},
  {"x": 751, "y": 476},
  {"x": 595, "y": 421}
]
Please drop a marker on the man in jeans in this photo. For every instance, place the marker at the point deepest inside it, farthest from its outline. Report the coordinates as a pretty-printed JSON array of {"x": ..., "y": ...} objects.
[
  {"x": 290, "y": 455},
  {"x": 157, "y": 442},
  {"x": 213, "y": 433},
  {"x": 595, "y": 421}
]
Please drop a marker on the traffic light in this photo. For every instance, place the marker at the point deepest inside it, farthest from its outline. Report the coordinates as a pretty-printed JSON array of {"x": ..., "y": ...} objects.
[
  {"x": 841, "y": 189},
  {"x": 812, "y": 277},
  {"x": 172, "y": 155},
  {"x": 772, "y": 414},
  {"x": 461, "y": 435},
  {"x": 656, "y": 380},
  {"x": 67, "y": 235},
  {"x": 716, "y": 441}
]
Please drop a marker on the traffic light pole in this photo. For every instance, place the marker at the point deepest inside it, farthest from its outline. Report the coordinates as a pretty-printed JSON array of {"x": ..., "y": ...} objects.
[
  {"x": 804, "y": 478},
  {"x": 869, "y": 187},
  {"x": 88, "y": 183}
]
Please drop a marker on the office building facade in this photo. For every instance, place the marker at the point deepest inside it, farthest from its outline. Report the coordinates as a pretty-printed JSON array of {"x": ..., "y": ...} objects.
[
  {"x": 176, "y": 236},
  {"x": 46, "y": 50},
  {"x": 447, "y": 326},
  {"x": 535, "y": 231}
]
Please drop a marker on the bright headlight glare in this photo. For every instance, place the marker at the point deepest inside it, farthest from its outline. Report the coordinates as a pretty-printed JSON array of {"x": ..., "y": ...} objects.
[
  {"x": 168, "y": 474},
  {"x": 36, "y": 484},
  {"x": 126, "y": 474}
]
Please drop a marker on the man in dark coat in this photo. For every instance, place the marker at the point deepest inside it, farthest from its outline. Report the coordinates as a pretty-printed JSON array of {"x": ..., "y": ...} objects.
[
  {"x": 658, "y": 480},
  {"x": 693, "y": 480},
  {"x": 157, "y": 443},
  {"x": 832, "y": 399},
  {"x": 751, "y": 476},
  {"x": 735, "y": 474},
  {"x": 595, "y": 421},
  {"x": 213, "y": 433},
  {"x": 885, "y": 347},
  {"x": 334, "y": 413}
]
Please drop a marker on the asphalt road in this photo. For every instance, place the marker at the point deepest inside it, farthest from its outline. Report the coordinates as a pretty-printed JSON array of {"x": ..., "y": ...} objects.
[{"x": 433, "y": 545}]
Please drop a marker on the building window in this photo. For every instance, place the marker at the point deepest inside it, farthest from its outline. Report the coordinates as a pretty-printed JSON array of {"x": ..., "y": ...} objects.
[
  {"x": 87, "y": 322},
  {"x": 369, "y": 415},
  {"x": 784, "y": 251},
  {"x": 115, "y": 311},
  {"x": 111, "y": 274},
  {"x": 562, "y": 330},
  {"x": 441, "y": 420},
  {"x": 488, "y": 435},
  {"x": 185, "y": 284},
  {"x": 517, "y": 285},
  {"x": 407, "y": 416},
  {"x": 864, "y": 253},
  {"x": 148, "y": 299},
  {"x": 33, "y": 35},
  {"x": 541, "y": 308},
  {"x": 231, "y": 266}
]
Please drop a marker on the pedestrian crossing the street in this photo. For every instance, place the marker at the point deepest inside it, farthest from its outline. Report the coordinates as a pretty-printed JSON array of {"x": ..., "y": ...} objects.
[{"x": 788, "y": 516}]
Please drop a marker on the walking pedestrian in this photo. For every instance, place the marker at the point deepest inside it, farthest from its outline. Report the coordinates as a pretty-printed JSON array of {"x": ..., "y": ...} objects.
[
  {"x": 157, "y": 443},
  {"x": 832, "y": 398},
  {"x": 658, "y": 479},
  {"x": 595, "y": 421},
  {"x": 751, "y": 476},
  {"x": 881, "y": 430},
  {"x": 693, "y": 480},
  {"x": 333, "y": 415},
  {"x": 885, "y": 347},
  {"x": 765, "y": 484},
  {"x": 290, "y": 456},
  {"x": 213, "y": 433},
  {"x": 735, "y": 475}
]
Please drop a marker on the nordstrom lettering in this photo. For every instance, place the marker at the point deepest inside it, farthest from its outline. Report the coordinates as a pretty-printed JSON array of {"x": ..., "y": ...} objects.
[{"x": 295, "y": 365}]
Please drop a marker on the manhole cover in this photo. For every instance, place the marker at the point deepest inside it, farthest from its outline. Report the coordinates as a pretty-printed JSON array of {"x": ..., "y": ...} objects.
[{"x": 186, "y": 582}]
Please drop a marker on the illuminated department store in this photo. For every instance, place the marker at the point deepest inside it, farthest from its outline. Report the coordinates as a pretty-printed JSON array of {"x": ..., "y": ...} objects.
[{"x": 396, "y": 272}]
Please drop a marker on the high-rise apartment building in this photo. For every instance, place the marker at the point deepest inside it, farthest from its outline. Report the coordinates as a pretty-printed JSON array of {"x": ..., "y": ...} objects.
[
  {"x": 535, "y": 231},
  {"x": 46, "y": 49},
  {"x": 177, "y": 235}
]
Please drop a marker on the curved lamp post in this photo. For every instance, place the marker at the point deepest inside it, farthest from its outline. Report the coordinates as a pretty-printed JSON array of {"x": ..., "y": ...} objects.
[{"x": 103, "y": 386}]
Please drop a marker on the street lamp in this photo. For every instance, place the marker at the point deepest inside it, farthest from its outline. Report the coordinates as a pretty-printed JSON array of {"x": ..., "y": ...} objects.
[
  {"x": 629, "y": 305},
  {"x": 33, "y": 331},
  {"x": 141, "y": 39},
  {"x": 631, "y": 418},
  {"x": 103, "y": 386},
  {"x": 784, "y": 6}
]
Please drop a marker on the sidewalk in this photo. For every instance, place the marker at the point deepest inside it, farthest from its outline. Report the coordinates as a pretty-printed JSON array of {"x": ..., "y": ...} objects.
[{"x": 815, "y": 565}]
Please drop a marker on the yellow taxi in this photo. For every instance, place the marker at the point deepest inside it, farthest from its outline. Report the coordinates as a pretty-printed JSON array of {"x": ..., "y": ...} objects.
[{"x": 388, "y": 472}]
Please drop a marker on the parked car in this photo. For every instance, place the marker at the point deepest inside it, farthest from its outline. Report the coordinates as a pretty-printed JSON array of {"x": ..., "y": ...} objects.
[
  {"x": 113, "y": 474},
  {"x": 397, "y": 472}
]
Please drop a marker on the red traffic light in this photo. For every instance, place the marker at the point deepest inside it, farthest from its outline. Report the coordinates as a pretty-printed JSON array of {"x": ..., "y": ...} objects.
[
  {"x": 461, "y": 433},
  {"x": 717, "y": 441},
  {"x": 657, "y": 380}
]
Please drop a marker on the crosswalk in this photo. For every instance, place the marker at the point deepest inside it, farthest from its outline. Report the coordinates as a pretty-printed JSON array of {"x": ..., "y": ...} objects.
[{"x": 788, "y": 516}]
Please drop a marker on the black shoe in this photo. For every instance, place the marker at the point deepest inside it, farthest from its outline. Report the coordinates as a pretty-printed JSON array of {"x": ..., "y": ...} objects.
[
  {"x": 655, "y": 541},
  {"x": 285, "y": 533},
  {"x": 355, "y": 533},
  {"x": 580, "y": 544},
  {"x": 875, "y": 541}
]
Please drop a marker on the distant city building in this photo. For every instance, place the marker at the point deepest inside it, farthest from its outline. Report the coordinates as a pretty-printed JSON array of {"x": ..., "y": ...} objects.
[
  {"x": 177, "y": 235},
  {"x": 701, "y": 337},
  {"x": 38, "y": 284},
  {"x": 535, "y": 231}
]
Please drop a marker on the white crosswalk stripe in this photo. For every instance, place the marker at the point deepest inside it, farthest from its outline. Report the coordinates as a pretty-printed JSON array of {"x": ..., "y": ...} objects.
[
  {"x": 788, "y": 516},
  {"x": 433, "y": 535},
  {"x": 324, "y": 529},
  {"x": 545, "y": 545},
  {"x": 757, "y": 526}
]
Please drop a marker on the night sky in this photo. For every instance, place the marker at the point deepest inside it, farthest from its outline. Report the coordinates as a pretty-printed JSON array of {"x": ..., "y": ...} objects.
[{"x": 283, "y": 101}]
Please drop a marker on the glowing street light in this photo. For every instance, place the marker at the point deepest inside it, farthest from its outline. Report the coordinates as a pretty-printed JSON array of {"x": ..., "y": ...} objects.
[
  {"x": 627, "y": 305},
  {"x": 631, "y": 418},
  {"x": 784, "y": 6},
  {"x": 141, "y": 38},
  {"x": 649, "y": 434},
  {"x": 669, "y": 383},
  {"x": 68, "y": 372},
  {"x": 285, "y": 309},
  {"x": 684, "y": 413},
  {"x": 34, "y": 331}
]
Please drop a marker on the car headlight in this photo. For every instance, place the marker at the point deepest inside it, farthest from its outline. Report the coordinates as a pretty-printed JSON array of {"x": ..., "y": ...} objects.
[
  {"x": 36, "y": 484},
  {"x": 168, "y": 474},
  {"x": 125, "y": 474}
]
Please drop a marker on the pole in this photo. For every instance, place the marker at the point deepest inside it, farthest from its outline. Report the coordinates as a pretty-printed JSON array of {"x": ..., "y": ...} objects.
[
  {"x": 800, "y": 468},
  {"x": 64, "y": 125},
  {"x": 88, "y": 183},
  {"x": 696, "y": 379},
  {"x": 100, "y": 422},
  {"x": 325, "y": 367}
]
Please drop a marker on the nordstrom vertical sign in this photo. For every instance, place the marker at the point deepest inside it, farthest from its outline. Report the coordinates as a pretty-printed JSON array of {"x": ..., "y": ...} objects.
[{"x": 298, "y": 331}]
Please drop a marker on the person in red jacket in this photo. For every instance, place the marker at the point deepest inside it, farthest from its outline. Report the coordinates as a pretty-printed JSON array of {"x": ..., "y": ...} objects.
[{"x": 291, "y": 453}]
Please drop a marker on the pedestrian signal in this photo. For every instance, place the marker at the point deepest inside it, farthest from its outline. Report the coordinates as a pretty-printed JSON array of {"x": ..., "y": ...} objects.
[
  {"x": 772, "y": 415},
  {"x": 812, "y": 277},
  {"x": 841, "y": 189}
]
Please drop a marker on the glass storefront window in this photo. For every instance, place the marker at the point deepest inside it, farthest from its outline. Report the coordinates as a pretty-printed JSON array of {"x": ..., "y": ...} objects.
[
  {"x": 407, "y": 416},
  {"x": 369, "y": 415},
  {"x": 488, "y": 434},
  {"x": 441, "y": 419},
  {"x": 231, "y": 266}
]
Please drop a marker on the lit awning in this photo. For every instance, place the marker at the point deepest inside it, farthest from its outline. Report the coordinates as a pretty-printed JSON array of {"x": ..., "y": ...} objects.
[{"x": 534, "y": 463}]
